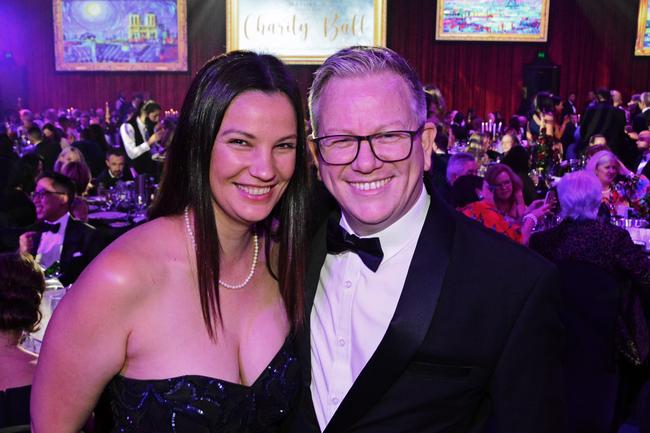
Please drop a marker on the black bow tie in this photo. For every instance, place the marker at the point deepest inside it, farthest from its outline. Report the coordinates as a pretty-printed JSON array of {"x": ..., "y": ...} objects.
[
  {"x": 368, "y": 249},
  {"x": 47, "y": 227}
]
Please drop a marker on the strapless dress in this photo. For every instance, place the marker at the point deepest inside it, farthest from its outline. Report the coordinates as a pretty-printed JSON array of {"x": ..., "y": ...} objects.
[{"x": 200, "y": 404}]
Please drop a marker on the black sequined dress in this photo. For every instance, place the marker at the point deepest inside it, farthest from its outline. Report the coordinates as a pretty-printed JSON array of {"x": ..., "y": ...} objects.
[{"x": 200, "y": 404}]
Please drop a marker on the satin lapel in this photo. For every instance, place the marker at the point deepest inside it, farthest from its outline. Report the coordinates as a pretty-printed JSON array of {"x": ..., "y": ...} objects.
[{"x": 411, "y": 320}]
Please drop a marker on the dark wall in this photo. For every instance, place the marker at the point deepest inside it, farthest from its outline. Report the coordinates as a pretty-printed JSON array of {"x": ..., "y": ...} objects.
[{"x": 592, "y": 41}]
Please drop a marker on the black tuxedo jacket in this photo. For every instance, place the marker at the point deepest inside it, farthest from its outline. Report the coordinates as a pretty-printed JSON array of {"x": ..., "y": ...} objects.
[
  {"x": 108, "y": 181},
  {"x": 646, "y": 170},
  {"x": 641, "y": 121},
  {"x": 603, "y": 118},
  {"x": 476, "y": 333},
  {"x": 81, "y": 244}
]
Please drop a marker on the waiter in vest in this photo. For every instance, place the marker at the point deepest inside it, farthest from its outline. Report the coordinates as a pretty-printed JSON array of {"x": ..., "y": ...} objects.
[{"x": 139, "y": 135}]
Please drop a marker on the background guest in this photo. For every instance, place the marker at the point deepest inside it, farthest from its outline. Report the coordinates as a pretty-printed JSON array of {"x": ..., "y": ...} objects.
[
  {"x": 508, "y": 191},
  {"x": 593, "y": 374},
  {"x": 116, "y": 169},
  {"x": 21, "y": 287}
]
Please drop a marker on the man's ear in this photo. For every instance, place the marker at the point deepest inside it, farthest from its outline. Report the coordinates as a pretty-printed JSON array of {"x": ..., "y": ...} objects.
[
  {"x": 313, "y": 151},
  {"x": 428, "y": 141}
]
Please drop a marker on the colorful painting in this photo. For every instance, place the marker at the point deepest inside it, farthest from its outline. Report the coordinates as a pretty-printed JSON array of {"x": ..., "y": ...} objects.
[
  {"x": 120, "y": 35},
  {"x": 492, "y": 20},
  {"x": 304, "y": 31},
  {"x": 642, "y": 47}
]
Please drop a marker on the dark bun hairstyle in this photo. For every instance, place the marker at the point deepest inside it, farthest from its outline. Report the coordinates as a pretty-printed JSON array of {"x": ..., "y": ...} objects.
[{"x": 21, "y": 285}]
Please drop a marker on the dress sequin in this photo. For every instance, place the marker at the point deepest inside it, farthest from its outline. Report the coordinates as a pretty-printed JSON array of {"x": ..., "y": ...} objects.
[{"x": 200, "y": 404}]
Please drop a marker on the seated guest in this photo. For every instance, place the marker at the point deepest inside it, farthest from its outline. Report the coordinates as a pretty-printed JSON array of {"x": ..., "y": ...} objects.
[
  {"x": 580, "y": 236},
  {"x": 578, "y": 240},
  {"x": 641, "y": 121},
  {"x": 508, "y": 191},
  {"x": 474, "y": 197},
  {"x": 458, "y": 164},
  {"x": 518, "y": 160},
  {"x": 71, "y": 243},
  {"x": 66, "y": 155},
  {"x": 48, "y": 149},
  {"x": 115, "y": 170},
  {"x": 93, "y": 146},
  {"x": 642, "y": 166},
  {"x": 54, "y": 134},
  {"x": 79, "y": 173},
  {"x": 621, "y": 189},
  {"x": 21, "y": 287}
]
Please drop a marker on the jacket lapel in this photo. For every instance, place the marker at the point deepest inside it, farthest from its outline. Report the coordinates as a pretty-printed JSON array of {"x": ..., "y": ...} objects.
[{"x": 411, "y": 320}]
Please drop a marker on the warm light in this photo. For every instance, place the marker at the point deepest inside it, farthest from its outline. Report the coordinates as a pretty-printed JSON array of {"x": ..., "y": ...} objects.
[{"x": 93, "y": 9}]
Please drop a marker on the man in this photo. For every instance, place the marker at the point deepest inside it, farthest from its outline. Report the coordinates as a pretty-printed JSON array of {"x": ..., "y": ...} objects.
[
  {"x": 643, "y": 162},
  {"x": 138, "y": 136},
  {"x": 460, "y": 164},
  {"x": 603, "y": 118},
  {"x": 48, "y": 149},
  {"x": 435, "y": 322},
  {"x": 71, "y": 243},
  {"x": 115, "y": 169},
  {"x": 641, "y": 121}
]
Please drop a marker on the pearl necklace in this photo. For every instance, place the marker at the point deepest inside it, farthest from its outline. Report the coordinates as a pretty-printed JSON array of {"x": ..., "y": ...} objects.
[{"x": 256, "y": 249}]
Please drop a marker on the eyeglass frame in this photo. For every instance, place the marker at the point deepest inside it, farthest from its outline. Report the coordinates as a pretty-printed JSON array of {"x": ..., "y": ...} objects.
[
  {"x": 368, "y": 138},
  {"x": 44, "y": 192}
]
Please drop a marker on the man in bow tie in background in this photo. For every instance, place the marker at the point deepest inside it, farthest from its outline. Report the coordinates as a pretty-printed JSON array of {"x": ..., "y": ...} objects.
[
  {"x": 61, "y": 238},
  {"x": 418, "y": 319}
]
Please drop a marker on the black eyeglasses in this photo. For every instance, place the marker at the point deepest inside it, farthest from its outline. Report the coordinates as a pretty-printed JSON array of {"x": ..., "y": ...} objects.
[
  {"x": 389, "y": 146},
  {"x": 42, "y": 193}
]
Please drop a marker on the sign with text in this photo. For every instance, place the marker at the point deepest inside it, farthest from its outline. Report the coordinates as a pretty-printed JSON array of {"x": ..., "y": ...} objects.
[{"x": 304, "y": 31}]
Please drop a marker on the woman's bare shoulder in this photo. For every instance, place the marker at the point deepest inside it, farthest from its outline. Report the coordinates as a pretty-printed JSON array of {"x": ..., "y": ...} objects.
[{"x": 128, "y": 265}]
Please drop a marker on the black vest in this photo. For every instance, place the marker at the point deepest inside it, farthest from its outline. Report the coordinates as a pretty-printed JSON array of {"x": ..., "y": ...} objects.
[{"x": 143, "y": 164}]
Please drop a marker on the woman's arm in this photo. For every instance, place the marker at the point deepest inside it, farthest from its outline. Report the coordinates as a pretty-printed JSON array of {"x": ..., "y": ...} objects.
[{"x": 85, "y": 343}]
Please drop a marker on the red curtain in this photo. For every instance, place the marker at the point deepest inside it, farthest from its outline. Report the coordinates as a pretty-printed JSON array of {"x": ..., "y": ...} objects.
[{"x": 592, "y": 41}]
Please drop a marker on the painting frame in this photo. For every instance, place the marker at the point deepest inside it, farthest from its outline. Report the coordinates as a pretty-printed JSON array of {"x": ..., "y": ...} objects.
[
  {"x": 179, "y": 65},
  {"x": 642, "y": 28},
  {"x": 233, "y": 34},
  {"x": 442, "y": 35}
]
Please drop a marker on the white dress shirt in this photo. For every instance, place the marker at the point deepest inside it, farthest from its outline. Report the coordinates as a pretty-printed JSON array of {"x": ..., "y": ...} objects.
[
  {"x": 128, "y": 138},
  {"x": 51, "y": 245},
  {"x": 353, "y": 307}
]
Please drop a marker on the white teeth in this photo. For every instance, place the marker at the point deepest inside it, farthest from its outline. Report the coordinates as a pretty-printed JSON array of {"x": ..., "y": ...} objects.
[
  {"x": 252, "y": 190},
  {"x": 367, "y": 186}
]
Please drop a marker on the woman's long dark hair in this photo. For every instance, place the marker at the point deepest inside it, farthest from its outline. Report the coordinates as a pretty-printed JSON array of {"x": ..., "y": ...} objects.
[{"x": 186, "y": 177}]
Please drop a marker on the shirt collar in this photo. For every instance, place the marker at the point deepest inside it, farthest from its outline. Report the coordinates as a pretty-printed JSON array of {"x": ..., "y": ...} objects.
[
  {"x": 63, "y": 221},
  {"x": 398, "y": 235}
]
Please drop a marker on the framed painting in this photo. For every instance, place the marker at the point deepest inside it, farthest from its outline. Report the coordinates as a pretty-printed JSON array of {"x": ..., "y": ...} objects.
[
  {"x": 120, "y": 35},
  {"x": 642, "y": 47},
  {"x": 492, "y": 20},
  {"x": 304, "y": 31}
]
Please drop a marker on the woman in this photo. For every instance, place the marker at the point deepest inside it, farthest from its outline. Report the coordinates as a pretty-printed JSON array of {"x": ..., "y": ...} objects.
[
  {"x": 54, "y": 134},
  {"x": 79, "y": 173},
  {"x": 578, "y": 240},
  {"x": 580, "y": 236},
  {"x": 473, "y": 196},
  {"x": 68, "y": 154},
  {"x": 621, "y": 189},
  {"x": 188, "y": 318},
  {"x": 21, "y": 286},
  {"x": 508, "y": 191},
  {"x": 139, "y": 135}
]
